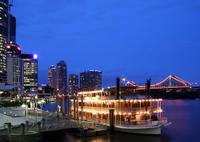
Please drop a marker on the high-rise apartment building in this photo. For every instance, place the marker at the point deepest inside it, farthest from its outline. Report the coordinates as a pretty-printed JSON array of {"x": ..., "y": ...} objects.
[
  {"x": 12, "y": 29},
  {"x": 73, "y": 84},
  {"x": 90, "y": 80},
  {"x": 52, "y": 76},
  {"x": 14, "y": 66},
  {"x": 61, "y": 78},
  {"x": 3, "y": 39},
  {"x": 30, "y": 72}
]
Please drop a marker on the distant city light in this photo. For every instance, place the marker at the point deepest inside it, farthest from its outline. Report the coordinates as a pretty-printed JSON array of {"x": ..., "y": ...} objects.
[
  {"x": 8, "y": 46},
  {"x": 35, "y": 56},
  {"x": 18, "y": 48},
  {"x": 43, "y": 85}
]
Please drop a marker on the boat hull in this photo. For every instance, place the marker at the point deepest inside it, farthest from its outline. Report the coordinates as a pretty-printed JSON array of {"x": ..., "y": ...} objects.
[{"x": 143, "y": 130}]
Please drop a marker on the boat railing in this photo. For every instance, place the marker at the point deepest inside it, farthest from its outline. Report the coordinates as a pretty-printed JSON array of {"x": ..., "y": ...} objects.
[
  {"x": 164, "y": 120},
  {"x": 141, "y": 123},
  {"x": 161, "y": 121},
  {"x": 123, "y": 110}
]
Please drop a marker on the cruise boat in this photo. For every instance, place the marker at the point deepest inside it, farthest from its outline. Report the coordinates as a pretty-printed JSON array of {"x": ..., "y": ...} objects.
[{"x": 138, "y": 115}]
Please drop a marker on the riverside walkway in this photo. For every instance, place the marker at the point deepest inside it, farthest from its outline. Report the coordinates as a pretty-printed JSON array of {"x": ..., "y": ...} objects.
[
  {"x": 38, "y": 125},
  {"x": 33, "y": 126}
]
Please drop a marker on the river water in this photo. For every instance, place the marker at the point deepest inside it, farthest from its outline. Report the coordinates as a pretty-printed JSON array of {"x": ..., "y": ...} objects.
[{"x": 185, "y": 118}]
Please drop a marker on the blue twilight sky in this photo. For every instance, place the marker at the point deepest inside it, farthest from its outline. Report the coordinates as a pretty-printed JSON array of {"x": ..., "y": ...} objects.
[{"x": 137, "y": 39}]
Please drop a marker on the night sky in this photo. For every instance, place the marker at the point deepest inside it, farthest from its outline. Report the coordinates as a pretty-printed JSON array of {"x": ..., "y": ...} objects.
[{"x": 131, "y": 38}]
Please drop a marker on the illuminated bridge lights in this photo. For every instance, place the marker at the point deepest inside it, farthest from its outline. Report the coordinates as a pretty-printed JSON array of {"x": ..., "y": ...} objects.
[
  {"x": 173, "y": 78},
  {"x": 90, "y": 92},
  {"x": 170, "y": 82}
]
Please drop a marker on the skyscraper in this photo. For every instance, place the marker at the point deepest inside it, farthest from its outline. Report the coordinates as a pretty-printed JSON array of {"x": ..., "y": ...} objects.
[
  {"x": 12, "y": 30},
  {"x": 14, "y": 66},
  {"x": 61, "y": 76},
  {"x": 73, "y": 84},
  {"x": 52, "y": 77},
  {"x": 90, "y": 80},
  {"x": 3, "y": 39},
  {"x": 30, "y": 72}
]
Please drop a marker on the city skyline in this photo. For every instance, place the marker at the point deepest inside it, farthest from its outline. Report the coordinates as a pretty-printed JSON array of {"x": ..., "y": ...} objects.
[
  {"x": 105, "y": 70},
  {"x": 150, "y": 40}
]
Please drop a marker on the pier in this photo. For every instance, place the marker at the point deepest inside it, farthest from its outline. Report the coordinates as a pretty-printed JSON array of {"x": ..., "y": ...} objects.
[{"x": 48, "y": 127}]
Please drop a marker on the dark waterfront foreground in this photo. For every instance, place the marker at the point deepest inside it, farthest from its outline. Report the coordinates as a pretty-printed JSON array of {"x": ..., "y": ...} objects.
[{"x": 185, "y": 118}]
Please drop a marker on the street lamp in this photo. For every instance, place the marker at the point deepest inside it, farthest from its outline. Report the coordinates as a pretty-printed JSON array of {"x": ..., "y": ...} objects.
[
  {"x": 35, "y": 101},
  {"x": 25, "y": 107}
]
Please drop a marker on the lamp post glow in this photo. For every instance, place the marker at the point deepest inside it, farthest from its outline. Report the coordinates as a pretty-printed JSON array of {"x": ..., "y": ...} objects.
[{"x": 25, "y": 107}]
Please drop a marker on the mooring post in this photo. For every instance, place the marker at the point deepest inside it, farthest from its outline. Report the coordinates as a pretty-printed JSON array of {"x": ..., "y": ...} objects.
[
  {"x": 111, "y": 120},
  {"x": 74, "y": 100},
  {"x": 68, "y": 108},
  {"x": 27, "y": 123},
  {"x": 77, "y": 108},
  {"x": 43, "y": 123},
  {"x": 63, "y": 105},
  {"x": 118, "y": 96},
  {"x": 9, "y": 128},
  {"x": 39, "y": 126},
  {"x": 81, "y": 107},
  {"x": 23, "y": 129}
]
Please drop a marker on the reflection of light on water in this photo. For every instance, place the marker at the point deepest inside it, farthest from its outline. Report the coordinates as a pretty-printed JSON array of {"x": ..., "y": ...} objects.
[
  {"x": 167, "y": 103},
  {"x": 184, "y": 115},
  {"x": 180, "y": 102},
  {"x": 119, "y": 137}
]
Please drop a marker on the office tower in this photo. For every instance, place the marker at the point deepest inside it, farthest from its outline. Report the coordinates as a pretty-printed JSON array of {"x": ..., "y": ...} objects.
[
  {"x": 61, "y": 78},
  {"x": 30, "y": 72},
  {"x": 12, "y": 30},
  {"x": 90, "y": 80},
  {"x": 73, "y": 84},
  {"x": 14, "y": 66},
  {"x": 52, "y": 77},
  {"x": 3, "y": 39}
]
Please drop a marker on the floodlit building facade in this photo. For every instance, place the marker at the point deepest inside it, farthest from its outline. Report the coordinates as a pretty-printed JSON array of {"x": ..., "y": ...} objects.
[
  {"x": 30, "y": 72},
  {"x": 14, "y": 66}
]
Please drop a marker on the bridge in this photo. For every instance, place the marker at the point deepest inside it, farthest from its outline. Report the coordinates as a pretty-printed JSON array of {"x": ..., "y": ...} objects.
[{"x": 170, "y": 82}]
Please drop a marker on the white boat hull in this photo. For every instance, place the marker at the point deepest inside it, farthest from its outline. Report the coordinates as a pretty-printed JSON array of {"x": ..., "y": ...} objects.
[{"x": 156, "y": 130}]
